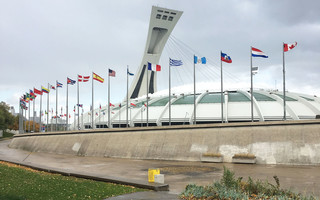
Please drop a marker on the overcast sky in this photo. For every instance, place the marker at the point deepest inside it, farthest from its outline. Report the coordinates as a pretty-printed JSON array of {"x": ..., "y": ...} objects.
[{"x": 42, "y": 41}]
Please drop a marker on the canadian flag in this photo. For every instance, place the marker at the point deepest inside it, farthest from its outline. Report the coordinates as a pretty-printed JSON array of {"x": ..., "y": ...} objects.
[
  {"x": 287, "y": 47},
  {"x": 83, "y": 78}
]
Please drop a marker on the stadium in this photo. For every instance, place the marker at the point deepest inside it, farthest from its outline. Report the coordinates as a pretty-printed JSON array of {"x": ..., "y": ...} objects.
[{"x": 268, "y": 105}]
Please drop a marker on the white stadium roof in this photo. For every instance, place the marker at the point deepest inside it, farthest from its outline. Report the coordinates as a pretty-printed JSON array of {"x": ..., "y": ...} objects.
[{"x": 268, "y": 106}]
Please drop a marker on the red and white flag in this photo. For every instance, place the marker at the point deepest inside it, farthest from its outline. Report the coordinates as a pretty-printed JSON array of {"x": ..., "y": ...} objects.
[
  {"x": 287, "y": 47},
  {"x": 83, "y": 78}
]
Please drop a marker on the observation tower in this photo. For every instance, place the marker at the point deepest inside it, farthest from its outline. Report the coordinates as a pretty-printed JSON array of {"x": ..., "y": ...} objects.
[{"x": 162, "y": 22}]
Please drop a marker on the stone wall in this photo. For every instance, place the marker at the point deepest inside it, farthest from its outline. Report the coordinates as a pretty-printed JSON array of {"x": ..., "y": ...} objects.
[{"x": 289, "y": 142}]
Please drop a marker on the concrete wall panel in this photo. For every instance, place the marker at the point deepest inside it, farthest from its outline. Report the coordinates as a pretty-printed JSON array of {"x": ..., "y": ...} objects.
[{"x": 290, "y": 142}]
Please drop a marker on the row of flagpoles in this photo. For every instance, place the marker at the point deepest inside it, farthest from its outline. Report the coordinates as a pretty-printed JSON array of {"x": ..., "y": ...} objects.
[{"x": 254, "y": 52}]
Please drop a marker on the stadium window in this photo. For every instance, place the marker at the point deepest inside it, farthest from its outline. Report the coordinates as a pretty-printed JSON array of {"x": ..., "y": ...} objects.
[
  {"x": 164, "y": 17},
  {"x": 170, "y": 18},
  {"x": 158, "y": 16}
]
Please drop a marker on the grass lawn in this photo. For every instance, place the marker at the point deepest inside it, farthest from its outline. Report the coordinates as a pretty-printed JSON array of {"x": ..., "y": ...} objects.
[{"x": 17, "y": 182}]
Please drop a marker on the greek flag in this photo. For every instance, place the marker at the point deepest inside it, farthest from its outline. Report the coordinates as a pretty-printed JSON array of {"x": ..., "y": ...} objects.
[{"x": 175, "y": 62}]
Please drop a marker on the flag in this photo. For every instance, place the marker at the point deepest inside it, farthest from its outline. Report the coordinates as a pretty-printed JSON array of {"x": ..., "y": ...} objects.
[
  {"x": 130, "y": 74},
  {"x": 225, "y": 58},
  {"x": 52, "y": 87},
  {"x": 80, "y": 105},
  {"x": 175, "y": 62},
  {"x": 112, "y": 73},
  {"x": 96, "y": 113},
  {"x": 133, "y": 104},
  {"x": 287, "y": 47},
  {"x": 74, "y": 109},
  {"x": 59, "y": 84},
  {"x": 120, "y": 105},
  {"x": 154, "y": 67},
  {"x": 37, "y": 91},
  {"x": 258, "y": 53},
  {"x": 111, "y": 104},
  {"x": 32, "y": 95},
  {"x": 69, "y": 116},
  {"x": 97, "y": 78},
  {"x": 83, "y": 78},
  {"x": 202, "y": 60},
  {"x": 100, "y": 106},
  {"x": 145, "y": 104},
  {"x": 70, "y": 81},
  {"x": 45, "y": 90}
]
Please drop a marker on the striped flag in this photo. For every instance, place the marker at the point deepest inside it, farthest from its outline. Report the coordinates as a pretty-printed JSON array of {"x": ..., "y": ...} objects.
[
  {"x": 258, "y": 53},
  {"x": 112, "y": 73},
  {"x": 59, "y": 84},
  {"x": 175, "y": 62},
  {"x": 154, "y": 67},
  {"x": 98, "y": 78},
  {"x": 45, "y": 90}
]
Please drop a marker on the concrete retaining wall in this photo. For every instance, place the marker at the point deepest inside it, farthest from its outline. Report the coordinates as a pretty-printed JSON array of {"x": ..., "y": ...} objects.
[{"x": 290, "y": 142}]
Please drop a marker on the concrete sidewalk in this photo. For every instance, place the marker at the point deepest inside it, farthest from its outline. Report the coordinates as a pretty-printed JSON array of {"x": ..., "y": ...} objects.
[{"x": 303, "y": 179}]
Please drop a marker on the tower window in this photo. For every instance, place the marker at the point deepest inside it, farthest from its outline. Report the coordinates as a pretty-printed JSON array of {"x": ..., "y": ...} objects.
[
  {"x": 160, "y": 10},
  {"x": 173, "y": 13},
  {"x": 158, "y": 16},
  {"x": 170, "y": 18},
  {"x": 164, "y": 17},
  {"x": 166, "y": 12}
]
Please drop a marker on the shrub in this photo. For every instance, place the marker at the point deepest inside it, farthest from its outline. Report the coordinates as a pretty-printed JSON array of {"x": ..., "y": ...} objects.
[{"x": 230, "y": 187}]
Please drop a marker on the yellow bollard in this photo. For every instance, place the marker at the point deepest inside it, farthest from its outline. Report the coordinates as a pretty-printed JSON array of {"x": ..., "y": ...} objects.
[{"x": 151, "y": 173}]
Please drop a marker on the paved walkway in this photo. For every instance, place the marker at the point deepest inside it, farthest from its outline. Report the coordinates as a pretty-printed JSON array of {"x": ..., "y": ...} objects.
[{"x": 304, "y": 179}]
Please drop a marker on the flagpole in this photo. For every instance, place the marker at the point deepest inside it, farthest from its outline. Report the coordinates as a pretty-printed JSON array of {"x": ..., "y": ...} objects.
[
  {"x": 78, "y": 127},
  {"x": 251, "y": 89},
  {"x": 284, "y": 84},
  {"x": 147, "y": 97},
  {"x": 221, "y": 88},
  {"x": 29, "y": 125},
  {"x": 34, "y": 100},
  {"x": 56, "y": 106},
  {"x": 194, "y": 92},
  {"x": 41, "y": 111},
  {"x": 48, "y": 108},
  {"x": 67, "y": 121},
  {"x": 127, "y": 113},
  {"x": 169, "y": 93},
  {"x": 92, "y": 104},
  {"x": 25, "y": 121},
  {"x": 74, "y": 120},
  {"x": 109, "y": 120}
]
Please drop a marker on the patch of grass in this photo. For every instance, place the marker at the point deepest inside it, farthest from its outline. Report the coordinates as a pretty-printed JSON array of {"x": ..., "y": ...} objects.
[
  {"x": 208, "y": 154},
  {"x": 18, "y": 182},
  {"x": 230, "y": 187},
  {"x": 244, "y": 155}
]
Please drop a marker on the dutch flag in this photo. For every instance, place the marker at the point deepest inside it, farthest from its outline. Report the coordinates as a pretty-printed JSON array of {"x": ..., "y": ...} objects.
[{"x": 258, "y": 53}]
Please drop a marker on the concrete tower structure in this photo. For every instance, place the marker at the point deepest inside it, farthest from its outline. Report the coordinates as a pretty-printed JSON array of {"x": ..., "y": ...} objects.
[{"x": 162, "y": 22}]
